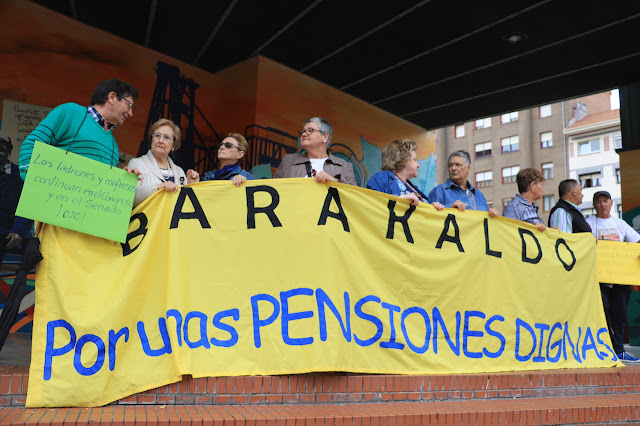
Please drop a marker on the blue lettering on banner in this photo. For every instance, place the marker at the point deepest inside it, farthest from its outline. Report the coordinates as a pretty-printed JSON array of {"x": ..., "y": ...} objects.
[
  {"x": 217, "y": 323},
  {"x": 470, "y": 334}
]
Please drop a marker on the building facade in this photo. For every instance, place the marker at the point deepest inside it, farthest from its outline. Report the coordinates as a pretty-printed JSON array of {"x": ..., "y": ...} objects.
[
  {"x": 571, "y": 139},
  {"x": 593, "y": 159},
  {"x": 501, "y": 146}
]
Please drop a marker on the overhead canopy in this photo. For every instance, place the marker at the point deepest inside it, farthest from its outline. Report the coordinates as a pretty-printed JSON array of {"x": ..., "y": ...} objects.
[{"x": 432, "y": 62}]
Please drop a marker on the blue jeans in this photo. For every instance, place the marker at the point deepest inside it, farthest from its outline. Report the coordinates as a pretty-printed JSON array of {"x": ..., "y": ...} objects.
[{"x": 615, "y": 300}]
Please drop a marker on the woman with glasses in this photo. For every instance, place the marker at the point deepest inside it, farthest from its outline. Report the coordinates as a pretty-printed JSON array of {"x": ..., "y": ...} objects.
[
  {"x": 398, "y": 166},
  {"x": 230, "y": 151},
  {"x": 316, "y": 162},
  {"x": 158, "y": 170}
]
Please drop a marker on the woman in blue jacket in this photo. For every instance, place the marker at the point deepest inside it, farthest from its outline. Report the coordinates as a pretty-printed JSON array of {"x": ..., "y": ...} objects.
[{"x": 398, "y": 166}]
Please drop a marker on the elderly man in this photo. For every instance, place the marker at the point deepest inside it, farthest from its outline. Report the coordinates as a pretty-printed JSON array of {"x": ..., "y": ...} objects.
[
  {"x": 565, "y": 215},
  {"x": 87, "y": 131},
  {"x": 530, "y": 190},
  {"x": 457, "y": 192},
  {"x": 13, "y": 229},
  {"x": 615, "y": 298}
]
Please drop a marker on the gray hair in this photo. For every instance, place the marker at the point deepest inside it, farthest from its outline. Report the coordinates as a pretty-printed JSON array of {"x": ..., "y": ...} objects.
[
  {"x": 565, "y": 186},
  {"x": 460, "y": 153},
  {"x": 324, "y": 125}
]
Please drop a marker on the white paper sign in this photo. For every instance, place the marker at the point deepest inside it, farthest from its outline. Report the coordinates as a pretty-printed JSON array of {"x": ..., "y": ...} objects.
[{"x": 18, "y": 120}]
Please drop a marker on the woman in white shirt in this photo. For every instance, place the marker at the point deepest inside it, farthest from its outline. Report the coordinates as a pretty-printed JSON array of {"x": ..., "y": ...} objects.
[{"x": 158, "y": 170}]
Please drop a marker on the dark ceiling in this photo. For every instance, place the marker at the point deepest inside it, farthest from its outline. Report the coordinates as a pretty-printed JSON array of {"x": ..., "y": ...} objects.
[{"x": 432, "y": 62}]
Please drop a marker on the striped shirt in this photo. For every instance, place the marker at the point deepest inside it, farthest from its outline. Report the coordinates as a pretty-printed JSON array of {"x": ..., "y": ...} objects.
[
  {"x": 562, "y": 219},
  {"x": 521, "y": 209},
  {"x": 99, "y": 118}
]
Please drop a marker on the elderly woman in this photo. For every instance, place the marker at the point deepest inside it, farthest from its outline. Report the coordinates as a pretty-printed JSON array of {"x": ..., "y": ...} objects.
[
  {"x": 530, "y": 187},
  {"x": 158, "y": 170},
  {"x": 230, "y": 151},
  {"x": 398, "y": 166},
  {"x": 317, "y": 162}
]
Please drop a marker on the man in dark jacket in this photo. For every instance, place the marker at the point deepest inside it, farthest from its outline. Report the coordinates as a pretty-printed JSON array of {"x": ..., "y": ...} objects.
[{"x": 566, "y": 215}]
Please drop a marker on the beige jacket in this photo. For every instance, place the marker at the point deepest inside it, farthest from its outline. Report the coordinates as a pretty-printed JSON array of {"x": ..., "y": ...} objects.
[
  {"x": 293, "y": 165},
  {"x": 152, "y": 176}
]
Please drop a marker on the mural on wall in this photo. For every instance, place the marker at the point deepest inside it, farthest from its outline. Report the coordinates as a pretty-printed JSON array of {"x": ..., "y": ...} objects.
[
  {"x": 630, "y": 187},
  {"x": 55, "y": 59},
  {"x": 24, "y": 321}
]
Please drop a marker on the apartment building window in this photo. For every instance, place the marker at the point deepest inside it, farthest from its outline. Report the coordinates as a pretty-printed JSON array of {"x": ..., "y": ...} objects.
[
  {"x": 589, "y": 147},
  {"x": 546, "y": 140},
  {"x": 509, "y": 174},
  {"x": 483, "y": 123},
  {"x": 460, "y": 131},
  {"x": 484, "y": 179},
  {"x": 510, "y": 144},
  {"x": 505, "y": 202},
  {"x": 509, "y": 117},
  {"x": 547, "y": 170},
  {"x": 545, "y": 111},
  {"x": 590, "y": 180},
  {"x": 617, "y": 141},
  {"x": 483, "y": 150},
  {"x": 548, "y": 201},
  {"x": 617, "y": 175},
  {"x": 588, "y": 212}
]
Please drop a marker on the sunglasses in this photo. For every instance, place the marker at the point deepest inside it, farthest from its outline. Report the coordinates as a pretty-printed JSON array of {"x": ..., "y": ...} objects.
[{"x": 227, "y": 145}]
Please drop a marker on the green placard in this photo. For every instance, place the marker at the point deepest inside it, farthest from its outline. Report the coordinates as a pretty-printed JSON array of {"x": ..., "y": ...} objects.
[{"x": 75, "y": 192}]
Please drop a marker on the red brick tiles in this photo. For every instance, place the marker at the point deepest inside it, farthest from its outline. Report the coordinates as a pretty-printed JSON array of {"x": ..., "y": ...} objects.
[
  {"x": 534, "y": 411},
  {"x": 351, "y": 388}
]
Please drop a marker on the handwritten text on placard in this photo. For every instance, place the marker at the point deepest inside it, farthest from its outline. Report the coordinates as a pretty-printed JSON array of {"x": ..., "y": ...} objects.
[{"x": 77, "y": 193}]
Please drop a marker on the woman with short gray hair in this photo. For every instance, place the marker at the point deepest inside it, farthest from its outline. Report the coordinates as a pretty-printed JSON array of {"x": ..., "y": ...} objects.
[{"x": 317, "y": 162}]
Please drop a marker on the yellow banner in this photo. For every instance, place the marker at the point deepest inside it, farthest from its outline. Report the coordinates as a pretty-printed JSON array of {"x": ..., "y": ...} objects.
[
  {"x": 618, "y": 262},
  {"x": 289, "y": 276}
]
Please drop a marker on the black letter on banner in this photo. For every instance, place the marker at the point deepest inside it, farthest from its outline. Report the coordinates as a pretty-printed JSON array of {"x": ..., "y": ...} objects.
[
  {"x": 142, "y": 230},
  {"x": 179, "y": 215},
  {"x": 524, "y": 247},
  {"x": 444, "y": 237},
  {"x": 488, "y": 251},
  {"x": 252, "y": 210},
  {"x": 332, "y": 194},
  {"x": 567, "y": 267},
  {"x": 393, "y": 218}
]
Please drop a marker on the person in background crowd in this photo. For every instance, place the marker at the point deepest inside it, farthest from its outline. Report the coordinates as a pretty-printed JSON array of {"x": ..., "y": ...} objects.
[
  {"x": 615, "y": 297},
  {"x": 86, "y": 131},
  {"x": 317, "y": 162},
  {"x": 13, "y": 229},
  {"x": 530, "y": 190},
  {"x": 157, "y": 168},
  {"x": 457, "y": 191},
  {"x": 565, "y": 215},
  {"x": 232, "y": 148},
  {"x": 398, "y": 166}
]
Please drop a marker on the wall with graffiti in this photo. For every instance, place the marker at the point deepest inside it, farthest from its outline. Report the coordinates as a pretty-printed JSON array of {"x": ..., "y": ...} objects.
[
  {"x": 53, "y": 59},
  {"x": 49, "y": 59},
  {"x": 286, "y": 98}
]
